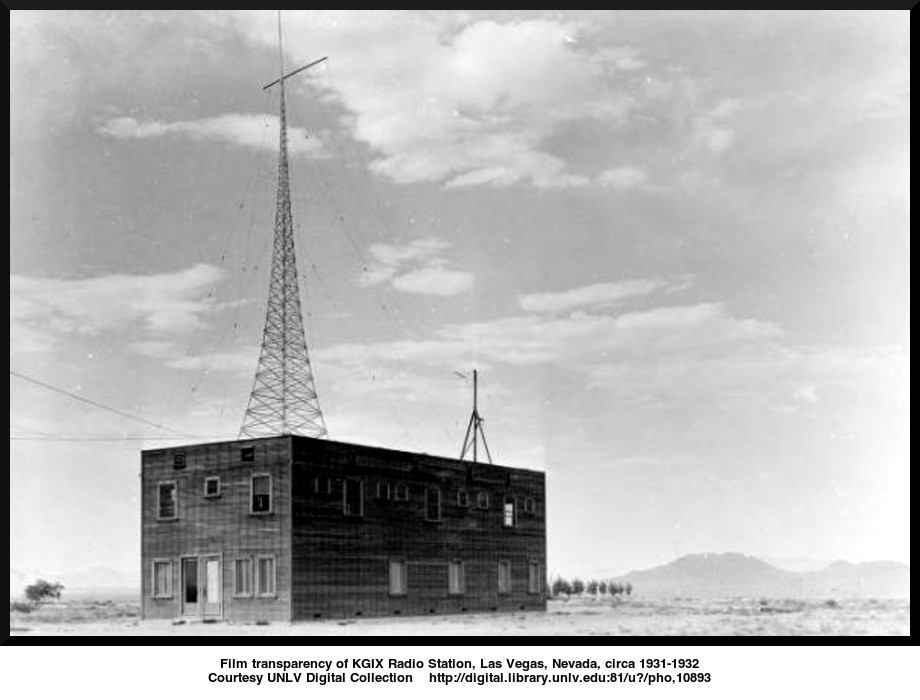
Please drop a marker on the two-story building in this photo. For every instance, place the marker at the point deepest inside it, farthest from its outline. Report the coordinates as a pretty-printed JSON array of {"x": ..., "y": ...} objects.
[{"x": 291, "y": 528}]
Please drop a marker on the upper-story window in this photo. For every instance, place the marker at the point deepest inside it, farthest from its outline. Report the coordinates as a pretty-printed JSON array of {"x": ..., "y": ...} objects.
[
  {"x": 167, "y": 506},
  {"x": 179, "y": 460},
  {"x": 463, "y": 498},
  {"x": 248, "y": 454},
  {"x": 383, "y": 490},
  {"x": 509, "y": 513},
  {"x": 482, "y": 500},
  {"x": 530, "y": 505},
  {"x": 261, "y": 489},
  {"x": 400, "y": 492},
  {"x": 352, "y": 498},
  {"x": 212, "y": 487},
  {"x": 432, "y": 503},
  {"x": 322, "y": 484}
]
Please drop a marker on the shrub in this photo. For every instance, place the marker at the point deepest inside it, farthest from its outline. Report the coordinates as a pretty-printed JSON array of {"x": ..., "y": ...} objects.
[
  {"x": 561, "y": 587},
  {"x": 42, "y": 591},
  {"x": 591, "y": 587},
  {"x": 578, "y": 586},
  {"x": 602, "y": 588}
]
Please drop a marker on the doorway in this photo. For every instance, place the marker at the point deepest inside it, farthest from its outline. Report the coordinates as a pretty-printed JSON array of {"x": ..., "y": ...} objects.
[{"x": 202, "y": 586}]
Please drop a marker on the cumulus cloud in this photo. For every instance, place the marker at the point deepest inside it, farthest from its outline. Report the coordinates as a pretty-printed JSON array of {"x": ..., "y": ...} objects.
[
  {"x": 459, "y": 104},
  {"x": 416, "y": 267},
  {"x": 601, "y": 295},
  {"x": 257, "y": 131},
  {"x": 44, "y": 311},
  {"x": 623, "y": 178}
]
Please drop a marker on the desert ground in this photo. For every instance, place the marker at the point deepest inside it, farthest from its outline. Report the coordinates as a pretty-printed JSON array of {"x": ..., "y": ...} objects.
[{"x": 581, "y": 616}]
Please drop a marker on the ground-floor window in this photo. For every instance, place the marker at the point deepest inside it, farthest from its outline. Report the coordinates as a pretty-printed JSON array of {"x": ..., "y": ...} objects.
[
  {"x": 163, "y": 579},
  {"x": 242, "y": 578},
  {"x": 398, "y": 578},
  {"x": 504, "y": 577},
  {"x": 534, "y": 577},
  {"x": 456, "y": 579},
  {"x": 265, "y": 576}
]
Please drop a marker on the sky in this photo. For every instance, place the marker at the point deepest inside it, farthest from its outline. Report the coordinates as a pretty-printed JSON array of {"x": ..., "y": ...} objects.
[{"x": 674, "y": 244}]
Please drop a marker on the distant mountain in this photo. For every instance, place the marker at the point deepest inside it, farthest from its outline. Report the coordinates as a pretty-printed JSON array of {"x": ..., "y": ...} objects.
[{"x": 730, "y": 574}]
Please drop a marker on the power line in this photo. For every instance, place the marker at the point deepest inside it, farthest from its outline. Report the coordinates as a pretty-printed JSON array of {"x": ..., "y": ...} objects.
[{"x": 97, "y": 404}]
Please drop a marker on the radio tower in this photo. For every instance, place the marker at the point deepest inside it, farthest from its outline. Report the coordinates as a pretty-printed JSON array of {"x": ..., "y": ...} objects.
[{"x": 283, "y": 399}]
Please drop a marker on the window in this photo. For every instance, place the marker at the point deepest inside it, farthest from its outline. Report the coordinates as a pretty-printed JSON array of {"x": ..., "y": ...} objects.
[
  {"x": 482, "y": 500},
  {"x": 432, "y": 503},
  {"x": 323, "y": 484},
  {"x": 162, "y": 579},
  {"x": 534, "y": 579},
  {"x": 352, "y": 498},
  {"x": 179, "y": 460},
  {"x": 463, "y": 498},
  {"x": 242, "y": 578},
  {"x": 248, "y": 454},
  {"x": 456, "y": 579},
  {"x": 261, "y": 488},
  {"x": 398, "y": 579},
  {"x": 265, "y": 576},
  {"x": 383, "y": 490},
  {"x": 509, "y": 515},
  {"x": 530, "y": 505},
  {"x": 166, "y": 501},
  {"x": 401, "y": 492},
  {"x": 504, "y": 577},
  {"x": 212, "y": 487}
]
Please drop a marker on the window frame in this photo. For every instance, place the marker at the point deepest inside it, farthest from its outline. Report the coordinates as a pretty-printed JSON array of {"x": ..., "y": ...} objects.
[
  {"x": 461, "y": 578},
  {"x": 509, "y": 501},
  {"x": 316, "y": 483},
  {"x": 180, "y": 461},
  {"x": 463, "y": 498},
  {"x": 248, "y": 453},
  {"x": 212, "y": 479},
  {"x": 530, "y": 504},
  {"x": 384, "y": 490},
  {"x": 271, "y": 500},
  {"x": 428, "y": 491},
  {"x": 482, "y": 500},
  {"x": 257, "y": 578},
  {"x": 175, "y": 489},
  {"x": 345, "y": 489},
  {"x": 404, "y": 578},
  {"x": 401, "y": 492},
  {"x": 237, "y": 593},
  {"x": 502, "y": 590},
  {"x": 170, "y": 581},
  {"x": 534, "y": 565}
]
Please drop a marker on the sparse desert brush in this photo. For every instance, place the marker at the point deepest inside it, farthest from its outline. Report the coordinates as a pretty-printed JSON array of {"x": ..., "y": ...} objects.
[{"x": 20, "y": 607}]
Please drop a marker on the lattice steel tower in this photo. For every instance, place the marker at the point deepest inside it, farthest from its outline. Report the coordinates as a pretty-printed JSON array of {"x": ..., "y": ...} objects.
[{"x": 283, "y": 399}]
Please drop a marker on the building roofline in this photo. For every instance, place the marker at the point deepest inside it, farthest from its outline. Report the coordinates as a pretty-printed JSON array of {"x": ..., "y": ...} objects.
[{"x": 375, "y": 448}]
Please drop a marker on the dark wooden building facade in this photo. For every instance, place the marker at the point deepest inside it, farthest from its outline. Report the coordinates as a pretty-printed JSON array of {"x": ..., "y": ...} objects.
[{"x": 293, "y": 528}]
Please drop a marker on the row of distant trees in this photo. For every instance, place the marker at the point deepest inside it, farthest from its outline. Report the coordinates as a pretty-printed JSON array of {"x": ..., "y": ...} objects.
[{"x": 561, "y": 586}]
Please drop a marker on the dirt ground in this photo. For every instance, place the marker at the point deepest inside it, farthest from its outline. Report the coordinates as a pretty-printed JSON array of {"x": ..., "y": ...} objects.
[{"x": 581, "y": 617}]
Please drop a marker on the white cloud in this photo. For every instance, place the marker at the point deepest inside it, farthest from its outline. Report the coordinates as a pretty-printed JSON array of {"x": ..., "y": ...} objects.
[
  {"x": 459, "y": 104},
  {"x": 44, "y": 311},
  {"x": 623, "y": 178},
  {"x": 601, "y": 295},
  {"x": 712, "y": 129},
  {"x": 258, "y": 131},
  {"x": 431, "y": 274},
  {"x": 434, "y": 280}
]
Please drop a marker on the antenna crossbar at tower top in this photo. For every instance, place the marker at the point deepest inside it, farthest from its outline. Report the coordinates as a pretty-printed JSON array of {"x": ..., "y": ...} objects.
[{"x": 283, "y": 399}]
